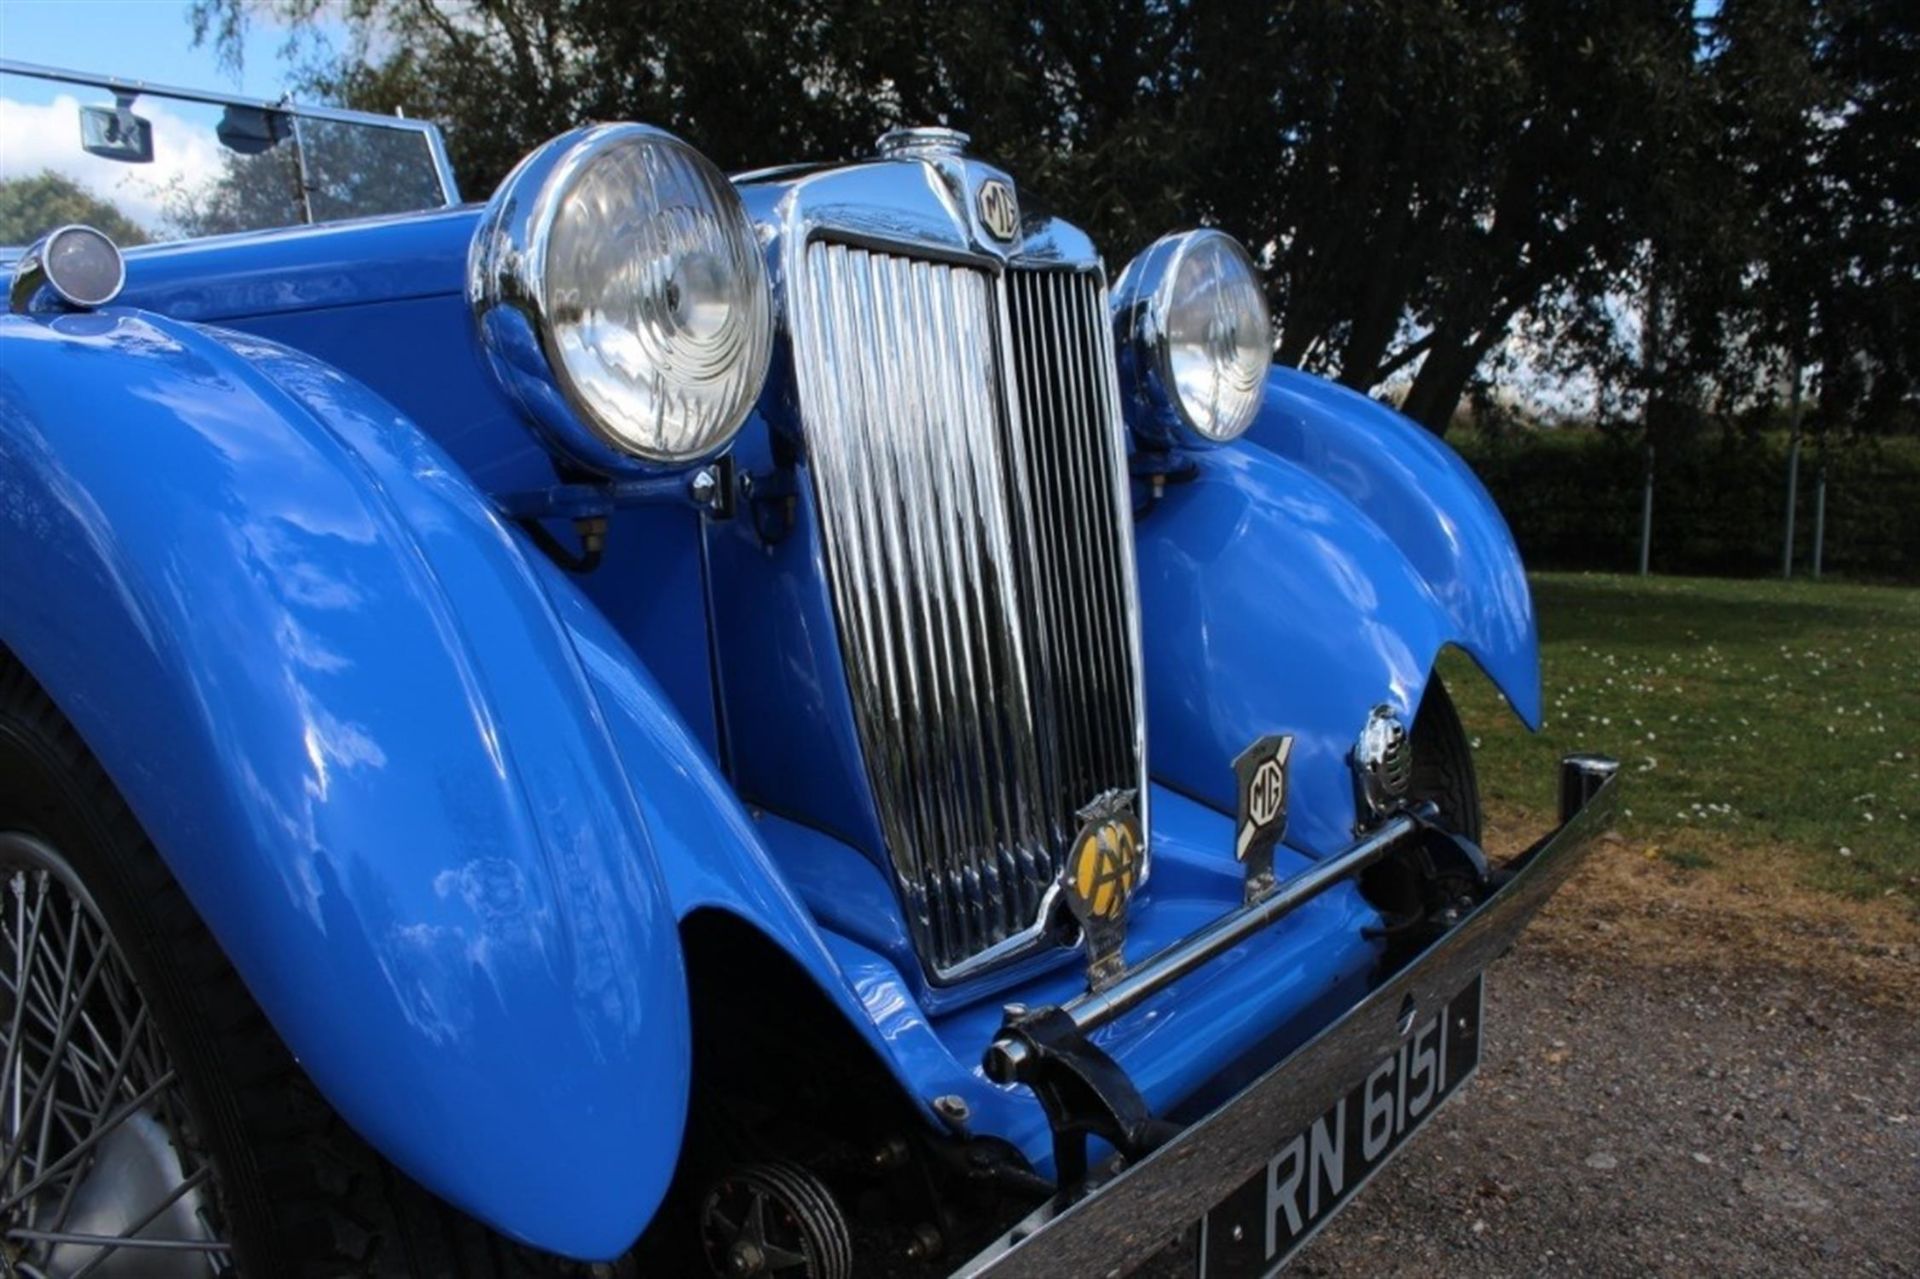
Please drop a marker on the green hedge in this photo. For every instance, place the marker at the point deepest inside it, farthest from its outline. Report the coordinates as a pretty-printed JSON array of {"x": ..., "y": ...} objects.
[{"x": 1572, "y": 497}]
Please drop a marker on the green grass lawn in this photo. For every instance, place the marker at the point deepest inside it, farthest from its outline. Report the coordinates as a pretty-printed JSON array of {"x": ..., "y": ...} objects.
[{"x": 1753, "y": 719}]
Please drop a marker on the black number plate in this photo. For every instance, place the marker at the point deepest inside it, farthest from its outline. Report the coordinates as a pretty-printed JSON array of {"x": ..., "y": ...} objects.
[{"x": 1255, "y": 1229}]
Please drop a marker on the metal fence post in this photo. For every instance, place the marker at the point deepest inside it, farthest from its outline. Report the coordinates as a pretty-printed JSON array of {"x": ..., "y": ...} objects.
[
  {"x": 1819, "y": 517},
  {"x": 1793, "y": 472},
  {"x": 1650, "y": 370},
  {"x": 1793, "y": 498},
  {"x": 1646, "y": 515}
]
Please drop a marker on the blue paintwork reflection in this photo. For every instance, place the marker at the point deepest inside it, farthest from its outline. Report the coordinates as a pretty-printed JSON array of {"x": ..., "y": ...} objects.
[
  {"x": 296, "y": 639},
  {"x": 792, "y": 745},
  {"x": 1306, "y": 616},
  {"x": 1292, "y": 588},
  {"x": 1252, "y": 1004},
  {"x": 1416, "y": 490},
  {"x": 335, "y": 265},
  {"x": 831, "y": 910}
]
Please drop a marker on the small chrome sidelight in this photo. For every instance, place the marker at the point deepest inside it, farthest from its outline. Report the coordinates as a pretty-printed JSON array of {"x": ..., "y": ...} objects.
[
  {"x": 1382, "y": 760},
  {"x": 72, "y": 268}
]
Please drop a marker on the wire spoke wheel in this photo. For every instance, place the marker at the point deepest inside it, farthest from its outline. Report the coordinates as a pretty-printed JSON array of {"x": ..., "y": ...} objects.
[{"x": 100, "y": 1170}]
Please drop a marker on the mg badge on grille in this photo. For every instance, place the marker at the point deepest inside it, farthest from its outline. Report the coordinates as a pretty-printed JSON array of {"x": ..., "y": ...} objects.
[
  {"x": 1262, "y": 774},
  {"x": 1101, "y": 872},
  {"x": 998, "y": 211}
]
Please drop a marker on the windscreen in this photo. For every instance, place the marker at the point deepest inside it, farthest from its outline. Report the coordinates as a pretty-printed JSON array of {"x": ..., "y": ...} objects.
[{"x": 156, "y": 167}]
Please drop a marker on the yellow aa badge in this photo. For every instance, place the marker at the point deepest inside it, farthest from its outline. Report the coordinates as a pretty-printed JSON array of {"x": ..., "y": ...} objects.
[
  {"x": 1106, "y": 862},
  {"x": 1104, "y": 865}
]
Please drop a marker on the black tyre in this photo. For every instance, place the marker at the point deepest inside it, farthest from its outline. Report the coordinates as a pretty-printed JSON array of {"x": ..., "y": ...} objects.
[
  {"x": 1443, "y": 762},
  {"x": 164, "y": 1128}
]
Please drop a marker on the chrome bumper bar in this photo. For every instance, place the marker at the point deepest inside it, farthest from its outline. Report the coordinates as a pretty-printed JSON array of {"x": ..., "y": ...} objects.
[
  {"x": 1120, "y": 1224},
  {"x": 1006, "y": 1056}
]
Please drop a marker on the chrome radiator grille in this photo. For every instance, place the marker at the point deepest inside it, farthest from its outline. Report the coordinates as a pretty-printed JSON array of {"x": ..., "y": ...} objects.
[{"x": 962, "y": 431}]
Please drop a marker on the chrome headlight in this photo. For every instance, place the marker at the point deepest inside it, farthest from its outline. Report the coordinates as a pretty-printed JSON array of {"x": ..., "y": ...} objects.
[
  {"x": 622, "y": 297},
  {"x": 1194, "y": 338}
]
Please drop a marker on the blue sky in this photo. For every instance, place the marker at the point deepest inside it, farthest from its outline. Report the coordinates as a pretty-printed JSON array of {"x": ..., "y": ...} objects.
[{"x": 147, "y": 39}]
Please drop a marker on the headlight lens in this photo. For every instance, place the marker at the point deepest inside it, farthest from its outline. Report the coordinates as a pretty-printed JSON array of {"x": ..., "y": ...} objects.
[
  {"x": 622, "y": 296},
  {"x": 1195, "y": 338}
]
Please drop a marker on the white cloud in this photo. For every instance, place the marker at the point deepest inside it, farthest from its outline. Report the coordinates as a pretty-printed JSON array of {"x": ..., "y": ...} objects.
[{"x": 35, "y": 137}]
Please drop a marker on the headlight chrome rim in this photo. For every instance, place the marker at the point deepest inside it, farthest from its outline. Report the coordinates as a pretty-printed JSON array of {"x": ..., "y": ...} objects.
[
  {"x": 530, "y": 324},
  {"x": 1143, "y": 299}
]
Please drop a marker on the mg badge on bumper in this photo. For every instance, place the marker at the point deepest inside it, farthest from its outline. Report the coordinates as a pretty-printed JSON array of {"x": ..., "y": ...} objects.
[{"x": 1261, "y": 772}]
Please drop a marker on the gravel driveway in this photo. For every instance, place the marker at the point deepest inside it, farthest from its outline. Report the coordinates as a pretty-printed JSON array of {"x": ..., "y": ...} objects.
[
  {"x": 1632, "y": 1118},
  {"x": 1640, "y": 1122}
]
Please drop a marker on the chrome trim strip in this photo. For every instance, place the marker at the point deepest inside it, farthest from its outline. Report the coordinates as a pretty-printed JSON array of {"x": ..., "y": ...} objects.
[
  {"x": 1122, "y": 1223},
  {"x": 1095, "y": 1009}
]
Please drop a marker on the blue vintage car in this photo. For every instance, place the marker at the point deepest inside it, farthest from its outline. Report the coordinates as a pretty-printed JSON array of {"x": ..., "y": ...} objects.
[{"x": 772, "y": 724}]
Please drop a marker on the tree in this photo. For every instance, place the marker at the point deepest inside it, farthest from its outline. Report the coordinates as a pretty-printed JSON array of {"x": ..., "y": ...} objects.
[
  {"x": 31, "y": 207},
  {"x": 1416, "y": 180},
  {"x": 247, "y": 193},
  {"x": 1837, "y": 287},
  {"x": 1787, "y": 245}
]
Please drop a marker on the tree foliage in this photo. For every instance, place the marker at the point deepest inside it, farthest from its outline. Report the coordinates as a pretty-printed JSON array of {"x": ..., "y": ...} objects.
[
  {"x": 1419, "y": 181},
  {"x": 30, "y": 207},
  {"x": 1831, "y": 167}
]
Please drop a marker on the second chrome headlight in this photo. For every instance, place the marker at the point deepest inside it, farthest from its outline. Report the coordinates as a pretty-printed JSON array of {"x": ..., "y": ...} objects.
[
  {"x": 622, "y": 297},
  {"x": 1194, "y": 338}
]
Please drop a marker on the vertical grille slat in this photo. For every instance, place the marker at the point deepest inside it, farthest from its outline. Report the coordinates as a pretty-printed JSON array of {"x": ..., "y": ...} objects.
[
  {"x": 1069, "y": 399},
  {"x": 1033, "y": 435},
  {"x": 962, "y": 431},
  {"x": 1112, "y": 706},
  {"x": 994, "y": 768}
]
